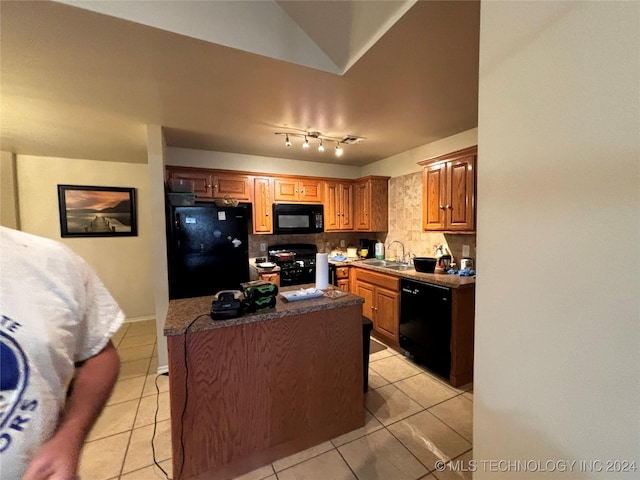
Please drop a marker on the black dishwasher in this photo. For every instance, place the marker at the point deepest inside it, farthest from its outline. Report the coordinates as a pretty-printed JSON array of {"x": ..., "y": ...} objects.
[{"x": 425, "y": 324}]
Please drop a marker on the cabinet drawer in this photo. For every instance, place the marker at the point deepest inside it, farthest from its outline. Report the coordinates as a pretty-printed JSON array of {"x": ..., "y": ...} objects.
[
  {"x": 379, "y": 279},
  {"x": 342, "y": 272}
]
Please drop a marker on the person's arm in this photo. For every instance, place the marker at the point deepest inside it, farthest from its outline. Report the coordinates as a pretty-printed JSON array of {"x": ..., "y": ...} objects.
[{"x": 92, "y": 384}]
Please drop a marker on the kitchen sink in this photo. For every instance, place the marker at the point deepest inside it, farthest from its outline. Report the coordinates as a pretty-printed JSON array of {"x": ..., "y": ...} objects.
[
  {"x": 399, "y": 267},
  {"x": 391, "y": 265}
]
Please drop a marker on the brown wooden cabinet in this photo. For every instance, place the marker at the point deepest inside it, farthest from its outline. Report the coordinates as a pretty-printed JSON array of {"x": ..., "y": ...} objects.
[
  {"x": 232, "y": 186},
  {"x": 381, "y": 295},
  {"x": 305, "y": 190},
  {"x": 342, "y": 275},
  {"x": 270, "y": 277},
  {"x": 350, "y": 205},
  {"x": 262, "y": 203},
  {"x": 371, "y": 204},
  {"x": 202, "y": 179},
  {"x": 448, "y": 192},
  {"x": 338, "y": 206}
]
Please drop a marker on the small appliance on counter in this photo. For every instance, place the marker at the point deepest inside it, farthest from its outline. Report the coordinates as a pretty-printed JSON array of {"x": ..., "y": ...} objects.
[
  {"x": 367, "y": 246},
  {"x": 226, "y": 304},
  {"x": 466, "y": 264}
]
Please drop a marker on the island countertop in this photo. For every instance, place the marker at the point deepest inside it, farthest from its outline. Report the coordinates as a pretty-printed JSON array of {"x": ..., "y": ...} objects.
[{"x": 194, "y": 313}]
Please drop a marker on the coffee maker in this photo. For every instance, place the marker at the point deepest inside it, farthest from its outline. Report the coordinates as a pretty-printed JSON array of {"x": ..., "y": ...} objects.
[{"x": 369, "y": 245}]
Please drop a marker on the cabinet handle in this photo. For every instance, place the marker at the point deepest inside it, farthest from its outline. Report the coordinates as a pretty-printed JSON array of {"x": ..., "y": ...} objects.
[
  {"x": 441, "y": 207},
  {"x": 266, "y": 214},
  {"x": 448, "y": 207},
  {"x": 372, "y": 307}
]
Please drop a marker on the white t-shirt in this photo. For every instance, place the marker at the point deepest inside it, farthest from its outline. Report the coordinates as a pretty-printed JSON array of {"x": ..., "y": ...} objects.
[{"x": 55, "y": 312}]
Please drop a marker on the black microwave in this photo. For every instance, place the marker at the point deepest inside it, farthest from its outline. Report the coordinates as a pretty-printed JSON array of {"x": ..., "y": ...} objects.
[{"x": 297, "y": 218}]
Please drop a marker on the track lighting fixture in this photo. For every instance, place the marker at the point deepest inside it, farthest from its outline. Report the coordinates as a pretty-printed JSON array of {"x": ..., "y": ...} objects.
[{"x": 345, "y": 140}]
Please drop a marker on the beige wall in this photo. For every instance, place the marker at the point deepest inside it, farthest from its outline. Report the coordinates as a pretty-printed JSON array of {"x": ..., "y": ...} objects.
[
  {"x": 185, "y": 157},
  {"x": 557, "y": 365},
  {"x": 156, "y": 152},
  {"x": 407, "y": 162},
  {"x": 8, "y": 191},
  {"x": 122, "y": 263}
]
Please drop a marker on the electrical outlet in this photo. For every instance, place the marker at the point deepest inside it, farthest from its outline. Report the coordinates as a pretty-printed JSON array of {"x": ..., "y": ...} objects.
[
  {"x": 342, "y": 244},
  {"x": 263, "y": 247},
  {"x": 465, "y": 250}
]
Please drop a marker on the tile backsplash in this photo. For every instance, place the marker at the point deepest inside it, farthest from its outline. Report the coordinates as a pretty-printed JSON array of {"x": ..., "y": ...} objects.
[{"x": 325, "y": 242}]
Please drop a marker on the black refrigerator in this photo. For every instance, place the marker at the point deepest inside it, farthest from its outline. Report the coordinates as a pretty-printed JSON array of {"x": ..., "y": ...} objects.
[{"x": 208, "y": 249}]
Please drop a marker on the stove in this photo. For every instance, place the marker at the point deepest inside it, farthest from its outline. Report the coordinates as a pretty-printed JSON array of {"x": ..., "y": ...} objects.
[{"x": 300, "y": 268}]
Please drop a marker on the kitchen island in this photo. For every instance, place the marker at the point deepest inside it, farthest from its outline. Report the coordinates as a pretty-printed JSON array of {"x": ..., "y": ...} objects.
[{"x": 247, "y": 391}]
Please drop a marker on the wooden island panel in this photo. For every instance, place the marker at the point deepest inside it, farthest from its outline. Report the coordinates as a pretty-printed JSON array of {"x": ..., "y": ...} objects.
[{"x": 256, "y": 392}]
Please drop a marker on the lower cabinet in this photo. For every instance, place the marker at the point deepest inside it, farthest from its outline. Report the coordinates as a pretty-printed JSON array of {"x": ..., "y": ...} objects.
[
  {"x": 342, "y": 275},
  {"x": 381, "y": 295},
  {"x": 270, "y": 277}
]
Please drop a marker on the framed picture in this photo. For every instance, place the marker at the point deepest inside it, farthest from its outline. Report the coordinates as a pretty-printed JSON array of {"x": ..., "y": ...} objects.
[{"x": 97, "y": 211}]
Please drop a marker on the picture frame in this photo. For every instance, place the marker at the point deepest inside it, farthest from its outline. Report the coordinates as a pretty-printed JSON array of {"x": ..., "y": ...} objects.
[{"x": 94, "y": 211}]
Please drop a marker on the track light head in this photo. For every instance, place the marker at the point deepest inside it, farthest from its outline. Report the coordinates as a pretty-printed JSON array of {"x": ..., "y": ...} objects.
[
  {"x": 306, "y": 143},
  {"x": 321, "y": 146},
  {"x": 287, "y": 142},
  {"x": 339, "y": 150}
]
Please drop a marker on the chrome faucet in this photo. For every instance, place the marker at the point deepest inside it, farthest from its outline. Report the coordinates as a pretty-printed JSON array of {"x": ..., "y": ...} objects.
[{"x": 401, "y": 260}]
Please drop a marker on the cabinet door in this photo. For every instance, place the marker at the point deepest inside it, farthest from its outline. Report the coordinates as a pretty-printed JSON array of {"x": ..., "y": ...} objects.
[
  {"x": 338, "y": 206},
  {"x": 202, "y": 181},
  {"x": 310, "y": 190},
  {"x": 262, "y": 204},
  {"x": 365, "y": 291},
  {"x": 346, "y": 211},
  {"x": 270, "y": 277},
  {"x": 387, "y": 308},
  {"x": 233, "y": 186},
  {"x": 343, "y": 284},
  {"x": 433, "y": 197},
  {"x": 331, "y": 207},
  {"x": 461, "y": 194},
  {"x": 286, "y": 190},
  {"x": 362, "y": 201}
]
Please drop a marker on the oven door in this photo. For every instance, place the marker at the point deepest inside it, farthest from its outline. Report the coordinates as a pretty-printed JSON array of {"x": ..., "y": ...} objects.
[{"x": 297, "y": 276}]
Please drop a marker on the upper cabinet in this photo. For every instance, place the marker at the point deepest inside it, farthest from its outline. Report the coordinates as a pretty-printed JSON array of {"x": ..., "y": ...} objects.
[
  {"x": 372, "y": 204},
  {"x": 262, "y": 202},
  {"x": 231, "y": 186},
  {"x": 202, "y": 179},
  {"x": 448, "y": 192},
  {"x": 304, "y": 190},
  {"x": 338, "y": 206},
  {"x": 349, "y": 205}
]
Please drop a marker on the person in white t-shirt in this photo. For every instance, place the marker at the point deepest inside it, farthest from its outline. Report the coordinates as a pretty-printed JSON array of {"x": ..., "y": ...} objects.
[{"x": 57, "y": 362}]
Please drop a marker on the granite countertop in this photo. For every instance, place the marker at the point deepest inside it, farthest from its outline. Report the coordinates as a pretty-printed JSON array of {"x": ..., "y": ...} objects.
[
  {"x": 443, "y": 279},
  {"x": 182, "y": 312}
]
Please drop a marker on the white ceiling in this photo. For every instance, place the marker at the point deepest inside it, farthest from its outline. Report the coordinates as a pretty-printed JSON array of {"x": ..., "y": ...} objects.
[{"x": 226, "y": 76}]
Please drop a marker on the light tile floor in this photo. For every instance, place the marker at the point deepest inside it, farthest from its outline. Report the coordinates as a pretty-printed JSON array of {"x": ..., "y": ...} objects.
[{"x": 414, "y": 419}]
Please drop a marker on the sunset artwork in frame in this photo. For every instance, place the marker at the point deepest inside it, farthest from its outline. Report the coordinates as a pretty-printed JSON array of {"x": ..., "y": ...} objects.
[{"x": 89, "y": 211}]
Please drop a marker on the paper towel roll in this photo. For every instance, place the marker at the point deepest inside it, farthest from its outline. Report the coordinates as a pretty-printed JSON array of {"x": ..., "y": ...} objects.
[{"x": 322, "y": 271}]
